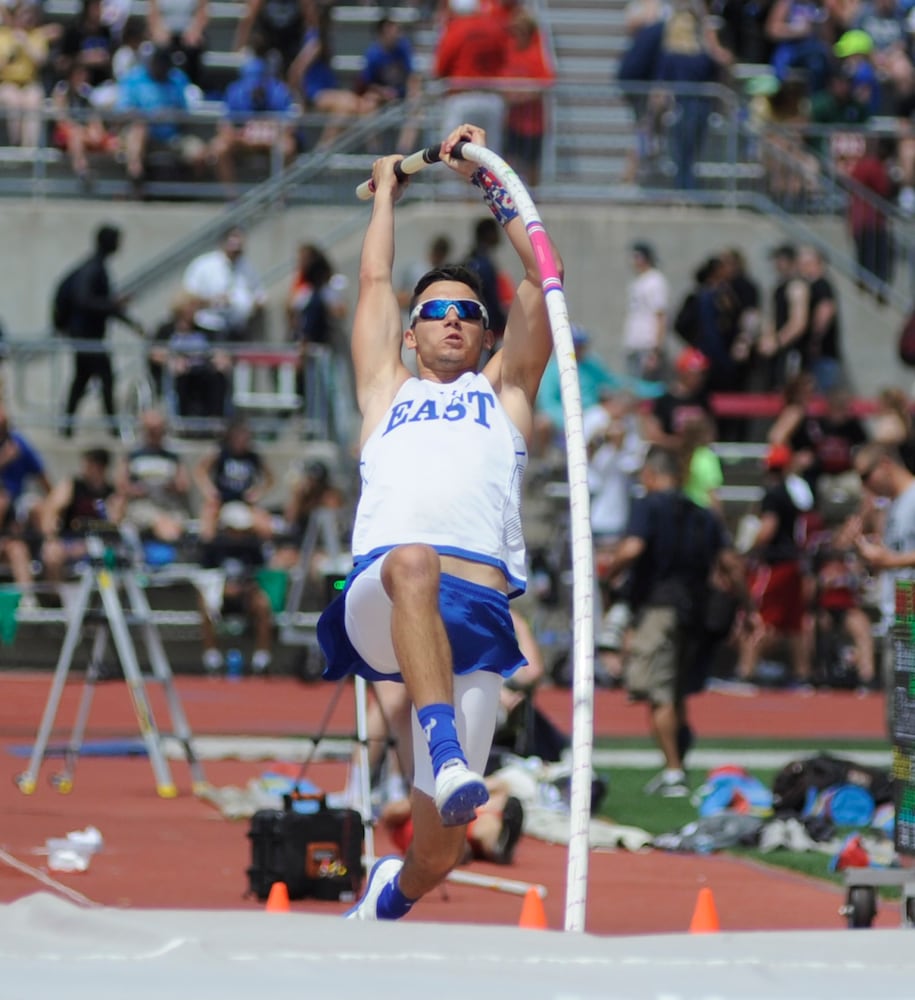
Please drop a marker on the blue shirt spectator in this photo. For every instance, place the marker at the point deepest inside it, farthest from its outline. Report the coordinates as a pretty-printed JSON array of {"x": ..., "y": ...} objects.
[
  {"x": 156, "y": 87},
  {"x": 257, "y": 89},
  {"x": 19, "y": 461},
  {"x": 388, "y": 61}
]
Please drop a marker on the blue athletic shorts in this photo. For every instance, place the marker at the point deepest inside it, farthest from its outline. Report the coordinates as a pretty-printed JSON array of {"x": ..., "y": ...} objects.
[{"x": 476, "y": 618}]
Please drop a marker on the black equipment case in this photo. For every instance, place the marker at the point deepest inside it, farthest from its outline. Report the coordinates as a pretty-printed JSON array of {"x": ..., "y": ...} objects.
[{"x": 318, "y": 854}]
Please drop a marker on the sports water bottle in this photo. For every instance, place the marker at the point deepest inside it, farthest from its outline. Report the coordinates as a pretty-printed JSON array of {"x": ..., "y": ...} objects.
[{"x": 235, "y": 664}]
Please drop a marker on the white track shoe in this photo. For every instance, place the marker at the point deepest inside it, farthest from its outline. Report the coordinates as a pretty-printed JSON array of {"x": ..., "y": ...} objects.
[
  {"x": 383, "y": 871},
  {"x": 458, "y": 793}
]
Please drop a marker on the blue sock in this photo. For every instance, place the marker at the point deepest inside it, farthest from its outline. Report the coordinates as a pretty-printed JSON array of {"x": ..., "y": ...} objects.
[
  {"x": 438, "y": 725},
  {"x": 392, "y": 903}
]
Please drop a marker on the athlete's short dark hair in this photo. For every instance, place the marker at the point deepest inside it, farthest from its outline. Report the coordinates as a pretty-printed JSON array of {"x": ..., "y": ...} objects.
[{"x": 450, "y": 272}]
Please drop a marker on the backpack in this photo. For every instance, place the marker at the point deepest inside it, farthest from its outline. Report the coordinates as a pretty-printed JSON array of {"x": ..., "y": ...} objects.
[
  {"x": 64, "y": 300},
  {"x": 792, "y": 783},
  {"x": 906, "y": 346}
]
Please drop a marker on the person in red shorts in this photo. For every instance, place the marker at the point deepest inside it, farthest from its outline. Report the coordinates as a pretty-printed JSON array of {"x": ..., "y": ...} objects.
[{"x": 776, "y": 577}]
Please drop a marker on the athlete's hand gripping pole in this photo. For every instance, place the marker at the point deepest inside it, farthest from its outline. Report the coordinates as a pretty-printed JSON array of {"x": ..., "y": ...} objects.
[
  {"x": 411, "y": 164},
  {"x": 582, "y": 546}
]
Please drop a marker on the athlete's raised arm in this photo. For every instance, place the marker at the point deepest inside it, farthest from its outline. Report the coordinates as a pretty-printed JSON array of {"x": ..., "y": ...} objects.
[
  {"x": 377, "y": 331},
  {"x": 517, "y": 368}
]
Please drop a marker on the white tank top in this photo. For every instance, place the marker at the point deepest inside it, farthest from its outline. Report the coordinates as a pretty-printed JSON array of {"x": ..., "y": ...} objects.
[{"x": 444, "y": 468}]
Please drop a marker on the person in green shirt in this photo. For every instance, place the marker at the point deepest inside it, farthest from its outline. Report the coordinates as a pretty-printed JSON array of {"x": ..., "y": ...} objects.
[{"x": 702, "y": 475}]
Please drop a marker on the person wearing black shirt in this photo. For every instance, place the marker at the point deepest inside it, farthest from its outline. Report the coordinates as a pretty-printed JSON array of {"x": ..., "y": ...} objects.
[
  {"x": 487, "y": 235},
  {"x": 233, "y": 476},
  {"x": 74, "y": 508},
  {"x": 93, "y": 305},
  {"x": 821, "y": 348},
  {"x": 670, "y": 548},
  {"x": 687, "y": 396}
]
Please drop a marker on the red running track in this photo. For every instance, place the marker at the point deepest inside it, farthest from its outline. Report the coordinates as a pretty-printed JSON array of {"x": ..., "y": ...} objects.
[{"x": 182, "y": 853}]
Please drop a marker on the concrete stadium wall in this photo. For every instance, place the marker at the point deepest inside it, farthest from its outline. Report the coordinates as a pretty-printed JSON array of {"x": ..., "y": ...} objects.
[{"x": 48, "y": 236}]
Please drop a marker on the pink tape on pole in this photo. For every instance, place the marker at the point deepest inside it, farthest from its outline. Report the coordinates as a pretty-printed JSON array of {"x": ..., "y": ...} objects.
[{"x": 540, "y": 243}]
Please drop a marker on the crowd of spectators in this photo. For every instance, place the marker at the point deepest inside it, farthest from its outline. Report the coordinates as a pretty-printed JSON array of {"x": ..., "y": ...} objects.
[
  {"x": 126, "y": 86},
  {"x": 813, "y": 73},
  {"x": 811, "y": 581},
  {"x": 217, "y": 514}
]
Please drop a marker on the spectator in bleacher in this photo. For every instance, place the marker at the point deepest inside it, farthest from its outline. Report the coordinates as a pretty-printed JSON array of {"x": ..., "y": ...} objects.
[
  {"x": 843, "y": 101},
  {"x": 180, "y": 26},
  {"x": 154, "y": 482},
  {"x": 645, "y": 320},
  {"x": 20, "y": 464},
  {"x": 593, "y": 377},
  {"x": 487, "y": 235},
  {"x": 638, "y": 65},
  {"x": 470, "y": 55},
  {"x": 312, "y": 77},
  {"x": 743, "y": 324},
  {"x": 389, "y": 72},
  {"x": 796, "y": 30},
  {"x": 230, "y": 290},
  {"x": 234, "y": 474},
  {"x": 713, "y": 332},
  {"x": 87, "y": 40},
  {"x": 821, "y": 348},
  {"x": 831, "y": 439},
  {"x": 885, "y": 24},
  {"x": 776, "y": 575},
  {"x": 868, "y": 223},
  {"x": 779, "y": 112},
  {"x": 149, "y": 92},
  {"x": 797, "y": 393},
  {"x": 281, "y": 23},
  {"x": 525, "y": 123},
  {"x": 79, "y": 129},
  {"x": 779, "y": 346},
  {"x": 184, "y": 365},
  {"x": 686, "y": 396},
  {"x": 702, "y": 474},
  {"x": 838, "y": 596},
  {"x": 316, "y": 303},
  {"x": 743, "y": 30},
  {"x": 311, "y": 490},
  {"x": 130, "y": 52},
  {"x": 237, "y": 550},
  {"x": 388, "y": 67},
  {"x": 258, "y": 91},
  {"x": 690, "y": 55},
  {"x": 75, "y": 507},
  {"x": 23, "y": 53},
  {"x": 892, "y": 425}
]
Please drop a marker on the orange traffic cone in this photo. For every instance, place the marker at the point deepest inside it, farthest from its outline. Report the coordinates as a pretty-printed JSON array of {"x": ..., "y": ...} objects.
[
  {"x": 533, "y": 916},
  {"x": 705, "y": 915},
  {"x": 278, "y": 900}
]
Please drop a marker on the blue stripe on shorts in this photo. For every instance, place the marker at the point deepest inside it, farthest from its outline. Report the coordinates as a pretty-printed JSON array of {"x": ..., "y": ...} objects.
[{"x": 476, "y": 618}]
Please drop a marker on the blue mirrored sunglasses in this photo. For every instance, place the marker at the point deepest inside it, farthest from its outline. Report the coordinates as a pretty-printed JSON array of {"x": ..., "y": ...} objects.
[{"x": 438, "y": 309}]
